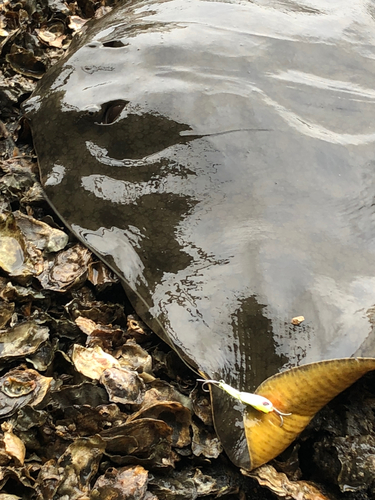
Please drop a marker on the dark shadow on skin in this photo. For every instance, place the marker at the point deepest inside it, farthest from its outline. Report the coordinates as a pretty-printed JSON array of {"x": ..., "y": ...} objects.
[{"x": 255, "y": 344}]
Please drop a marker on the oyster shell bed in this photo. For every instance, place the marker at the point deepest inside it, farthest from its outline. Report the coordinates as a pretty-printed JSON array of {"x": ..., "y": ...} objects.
[{"x": 92, "y": 404}]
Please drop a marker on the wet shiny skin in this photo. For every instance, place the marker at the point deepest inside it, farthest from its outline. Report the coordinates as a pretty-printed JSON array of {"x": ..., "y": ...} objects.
[{"x": 220, "y": 157}]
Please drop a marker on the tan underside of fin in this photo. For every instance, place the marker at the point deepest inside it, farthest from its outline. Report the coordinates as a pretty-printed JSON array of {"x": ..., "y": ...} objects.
[{"x": 302, "y": 391}]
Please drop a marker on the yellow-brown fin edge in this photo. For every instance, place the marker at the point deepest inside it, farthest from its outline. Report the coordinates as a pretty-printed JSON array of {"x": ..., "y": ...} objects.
[{"x": 301, "y": 391}]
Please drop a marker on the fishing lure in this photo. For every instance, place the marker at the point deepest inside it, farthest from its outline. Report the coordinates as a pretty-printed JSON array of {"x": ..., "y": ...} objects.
[{"x": 258, "y": 402}]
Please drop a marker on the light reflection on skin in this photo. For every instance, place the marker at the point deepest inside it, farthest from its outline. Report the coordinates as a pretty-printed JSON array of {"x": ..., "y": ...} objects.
[
  {"x": 119, "y": 244},
  {"x": 56, "y": 175}
]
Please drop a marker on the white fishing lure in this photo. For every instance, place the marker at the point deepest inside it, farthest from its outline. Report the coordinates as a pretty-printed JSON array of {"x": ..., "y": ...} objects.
[{"x": 257, "y": 401}]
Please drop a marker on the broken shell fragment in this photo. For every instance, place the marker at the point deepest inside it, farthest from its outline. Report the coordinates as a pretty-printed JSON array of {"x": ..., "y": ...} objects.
[
  {"x": 14, "y": 447},
  {"x": 162, "y": 391},
  {"x": 92, "y": 361},
  {"x": 191, "y": 483},
  {"x": 14, "y": 388},
  {"x": 67, "y": 270},
  {"x": 204, "y": 442},
  {"x": 53, "y": 34},
  {"x": 12, "y": 257},
  {"x": 70, "y": 478},
  {"x": 21, "y": 387},
  {"x": 20, "y": 293},
  {"x": 102, "y": 313},
  {"x": 100, "y": 275},
  {"x": 76, "y": 23},
  {"x": 177, "y": 416},
  {"x": 104, "y": 336},
  {"x": 348, "y": 460},
  {"x": 24, "y": 62},
  {"x": 280, "y": 485},
  {"x": 201, "y": 406},
  {"x": 86, "y": 325},
  {"x": 135, "y": 358},
  {"x": 6, "y": 312},
  {"x": 123, "y": 386},
  {"x": 297, "y": 320},
  {"x": 82, "y": 394},
  {"x": 42, "y": 235},
  {"x": 18, "y": 257},
  {"x": 137, "y": 328},
  {"x": 145, "y": 441},
  {"x": 22, "y": 340},
  {"x": 121, "y": 484},
  {"x": 43, "y": 357}
]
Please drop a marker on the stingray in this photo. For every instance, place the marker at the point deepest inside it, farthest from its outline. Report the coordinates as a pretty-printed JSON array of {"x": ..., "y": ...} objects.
[{"x": 219, "y": 157}]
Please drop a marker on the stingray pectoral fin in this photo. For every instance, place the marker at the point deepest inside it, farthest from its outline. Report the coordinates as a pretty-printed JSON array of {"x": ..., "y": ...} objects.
[{"x": 301, "y": 391}]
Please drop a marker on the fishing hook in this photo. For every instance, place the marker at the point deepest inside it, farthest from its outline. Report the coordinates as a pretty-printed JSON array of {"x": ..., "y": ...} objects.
[
  {"x": 281, "y": 415},
  {"x": 206, "y": 381}
]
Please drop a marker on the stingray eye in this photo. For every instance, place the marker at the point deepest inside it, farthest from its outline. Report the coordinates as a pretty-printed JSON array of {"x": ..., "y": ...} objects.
[{"x": 112, "y": 111}]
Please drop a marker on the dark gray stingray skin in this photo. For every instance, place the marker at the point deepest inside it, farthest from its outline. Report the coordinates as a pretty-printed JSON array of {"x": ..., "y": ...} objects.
[{"x": 220, "y": 157}]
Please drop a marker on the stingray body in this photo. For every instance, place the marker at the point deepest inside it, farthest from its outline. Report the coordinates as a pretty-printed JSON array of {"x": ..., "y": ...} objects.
[{"x": 219, "y": 156}]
